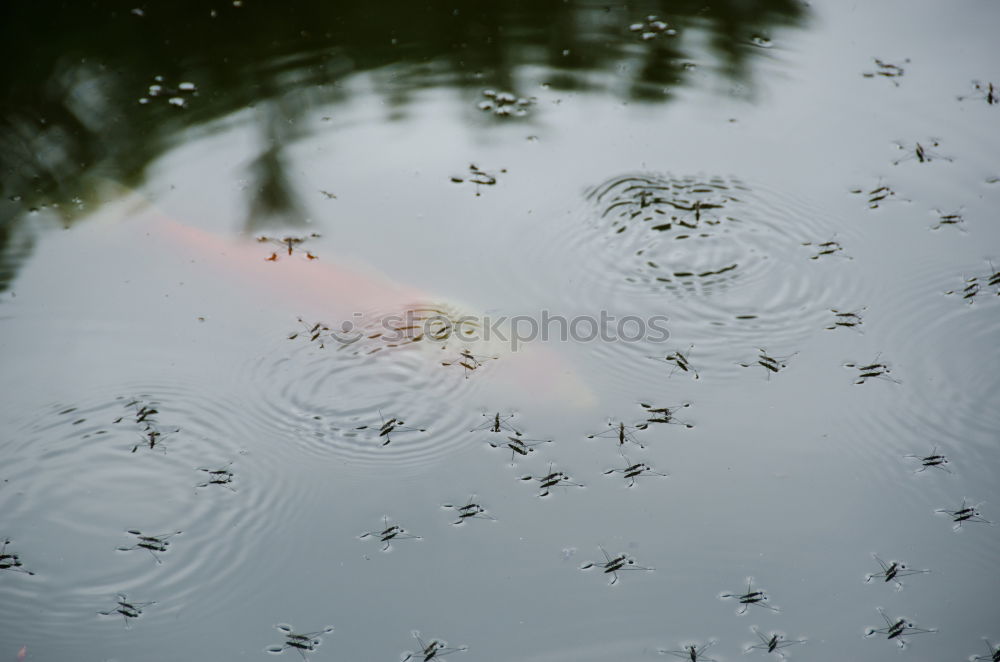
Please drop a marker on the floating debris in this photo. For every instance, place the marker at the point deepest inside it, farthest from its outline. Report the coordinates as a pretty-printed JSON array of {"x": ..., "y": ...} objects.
[
  {"x": 965, "y": 514},
  {"x": 288, "y": 244},
  {"x": 505, "y": 104},
  {"x": 772, "y": 642},
  {"x": 986, "y": 91},
  {"x": 873, "y": 370},
  {"x": 634, "y": 470},
  {"x": 896, "y": 629},
  {"x": 128, "y": 610},
  {"x": 651, "y": 28},
  {"x": 550, "y": 480},
  {"x": 921, "y": 153},
  {"x": 152, "y": 544},
  {"x": 691, "y": 652},
  {"x": 886, "y": 70},
  {"x": 389, "y": 534},
  {"x": 175, "y": 96},
  {"x": 303, "y": 642},
  {"x": 429, "y": 651},
  {"x": 612, "y": 566},
  {"x": 934, "y": 459},
  {"x": 845, "y": 319},
  {"x": 11, "y": 562},
  {"x": 892, "y": 571},
  {"x": 751, "y": 597},
  {"x": 471, "y": 510},
  {"x": 478, "y": 177}
]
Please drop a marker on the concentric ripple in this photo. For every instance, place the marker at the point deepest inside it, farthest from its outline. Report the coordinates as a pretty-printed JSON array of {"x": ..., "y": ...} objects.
[
  {"x": 732, "y": 266},
  {"x": 388, "y": 390},
  {"x": 944, "y": 400},
  {"x": 88, "y": 467}
]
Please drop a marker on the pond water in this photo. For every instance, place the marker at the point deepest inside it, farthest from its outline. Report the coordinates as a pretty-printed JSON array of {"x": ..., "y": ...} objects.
[{"x": 250, "y": 256}]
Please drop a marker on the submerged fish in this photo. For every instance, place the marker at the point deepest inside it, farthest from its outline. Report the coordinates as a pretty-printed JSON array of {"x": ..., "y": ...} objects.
[{"x": 357, "y": 302}]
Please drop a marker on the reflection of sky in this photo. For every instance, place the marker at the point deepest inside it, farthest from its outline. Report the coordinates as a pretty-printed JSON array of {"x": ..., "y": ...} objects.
[{"x": 795, "y": 480}]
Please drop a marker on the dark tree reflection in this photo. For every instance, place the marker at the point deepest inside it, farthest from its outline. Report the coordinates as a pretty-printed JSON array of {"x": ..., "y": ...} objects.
[{"x": 76, "y": 71}]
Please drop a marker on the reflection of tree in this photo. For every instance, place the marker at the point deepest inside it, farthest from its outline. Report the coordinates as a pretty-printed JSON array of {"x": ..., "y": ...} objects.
[{"x": 75, "y": 71}]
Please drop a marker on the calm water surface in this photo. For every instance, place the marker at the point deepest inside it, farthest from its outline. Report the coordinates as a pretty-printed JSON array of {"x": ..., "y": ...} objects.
[{"x": 803, "y": 188}]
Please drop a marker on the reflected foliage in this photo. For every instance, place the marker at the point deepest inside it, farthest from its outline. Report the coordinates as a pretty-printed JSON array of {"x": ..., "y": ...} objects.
[{"x": 101, "y": 88}]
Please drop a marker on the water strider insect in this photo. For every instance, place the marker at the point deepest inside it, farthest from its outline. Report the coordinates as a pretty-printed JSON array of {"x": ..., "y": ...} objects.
[
  {"x": 992, "y": 656},
  {"x": 128, "y": 610},
  {"x": 665, "y": 415},
  {"x": 471, "y": 510},
  {"x": 550, "y": 480},
  {"x": 826, "y": 248},
  {"x": 613, "y": 565},
  {"x": 964, "y": 514},
  {"x": 11, "y": 561},
  {"x": 497, "y": 424},
  {"x": 920, "y": 153},
  {"x": 634, "y": 470},
  {"x": 144, "y": 413},
  {"x": 223, "y": 477},
  {"x": 313, "y": 332},
  {"x": 505, "y": 104},
  {"x": 388, "y": 534},
  {"x": 886, "y": 70},
  {"x": 873, "y": 370},
  {"x": 769, "y": 363},
  {"x": 986, "y": 91},
  {"x": 892, "y": 571},
  {"x": 651, "y": 28},
  {"x": 680, "y": 361},
  {"x": 691, "y": 652},
  {"x": 288, "y": 245},
  {"x": 478, "y": 177},
  {"x": 151, "y": 438},
  {"x": 955, "y": 219},
  {"x": 430, "y": 650},
  {"x": 152, "y": 544},
  {"x": 519, "y": 446},
  {"x": 469, "y": 361},
  {"x": 877, "y": 195},
  {"x": 303, "y": 642},
  {"x": 623, "y": 433},
  {"x": 389, "y": 426},
  {"x": 751, "y": 597},
  {"x": 772, "y": 642},
  {"x": 896, "y": 629},
  {"x": 934, "y": 459},
  {"x": 845, "y": 319}
]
